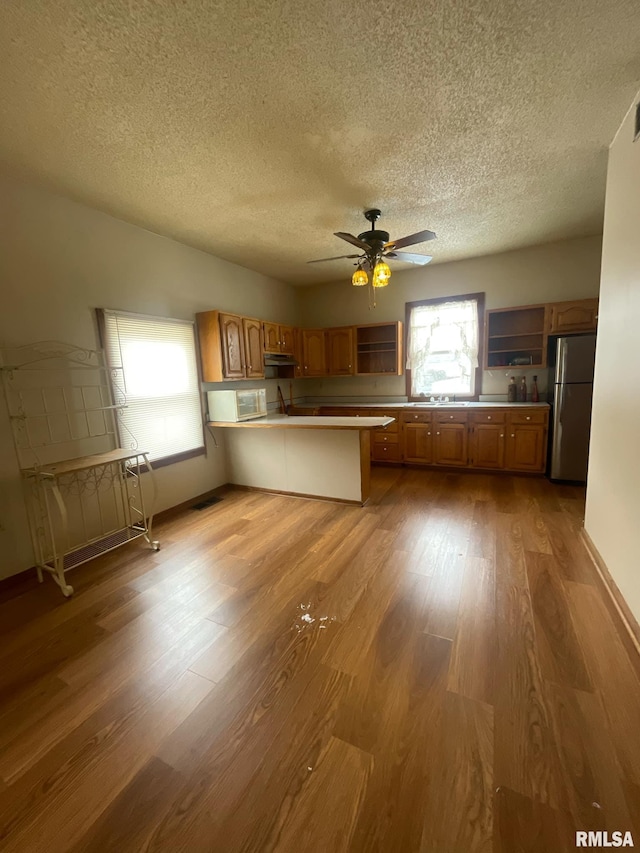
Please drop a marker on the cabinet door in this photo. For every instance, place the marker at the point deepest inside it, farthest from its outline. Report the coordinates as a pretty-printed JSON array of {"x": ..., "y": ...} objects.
[
  {"x": 254, "y": 363},
  {"x": 298, "y": 371},
  {"x": 525, "y": 448},
  {"x": 418, "y": 443},
  {"x": 286, "y": 340},
  {"x": 271, "y": 333},
  {"x": 579, "y": 316},
  {"x": 450, "y": 445},
  {"x": 232, "y": 335},
  {"x": 488, "y": 445},
  {"x": 313, "y": 352},
  {"x": 340, "y": 351}
]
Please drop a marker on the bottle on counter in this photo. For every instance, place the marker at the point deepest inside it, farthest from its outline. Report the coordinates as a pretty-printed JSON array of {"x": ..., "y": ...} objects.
[
  {"x": 522, "y": 396},
  {"x": 512, "y": 391},
  {"x": 535, "y": 396}
]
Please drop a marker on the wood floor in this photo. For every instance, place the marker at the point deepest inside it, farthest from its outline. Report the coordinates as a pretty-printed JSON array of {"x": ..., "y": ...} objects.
[{"x": 438, "y": 671}]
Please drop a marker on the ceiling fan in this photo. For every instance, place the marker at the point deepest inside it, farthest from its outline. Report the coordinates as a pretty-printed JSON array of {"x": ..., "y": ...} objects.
[{"x": 376, "y": 248}]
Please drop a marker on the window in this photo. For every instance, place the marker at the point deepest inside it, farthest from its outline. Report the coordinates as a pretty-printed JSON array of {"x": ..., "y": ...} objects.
[
  {"x": 443, "y": 346},
  {"x": 153, "y": 363}
]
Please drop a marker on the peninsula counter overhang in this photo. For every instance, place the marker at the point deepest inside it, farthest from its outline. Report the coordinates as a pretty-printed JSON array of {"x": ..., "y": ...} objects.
[{"x": 306, "y": 422}]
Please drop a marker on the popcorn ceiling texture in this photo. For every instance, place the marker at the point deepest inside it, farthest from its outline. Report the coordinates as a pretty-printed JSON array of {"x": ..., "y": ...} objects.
[{"x": 254, "y": 129}]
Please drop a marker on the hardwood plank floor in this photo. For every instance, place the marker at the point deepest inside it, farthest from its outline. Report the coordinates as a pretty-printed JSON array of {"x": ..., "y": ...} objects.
[{"x": 436, "y": 672}]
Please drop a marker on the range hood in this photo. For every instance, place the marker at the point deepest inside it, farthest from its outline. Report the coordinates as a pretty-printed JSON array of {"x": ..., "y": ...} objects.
[{"x": 275, "y": 359}]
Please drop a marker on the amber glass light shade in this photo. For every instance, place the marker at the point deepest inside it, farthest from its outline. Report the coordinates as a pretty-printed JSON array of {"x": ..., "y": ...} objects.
[
  {"x": 381, "y": 275},
  {"x": 359, "y": 278}
]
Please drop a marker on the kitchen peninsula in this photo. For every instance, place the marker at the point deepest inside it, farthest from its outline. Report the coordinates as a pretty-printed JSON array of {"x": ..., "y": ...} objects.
[{"x": 322, "y": 457}]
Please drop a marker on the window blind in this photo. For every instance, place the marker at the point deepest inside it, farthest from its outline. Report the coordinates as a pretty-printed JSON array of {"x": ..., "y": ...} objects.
[{"x": 153, "y": 362}]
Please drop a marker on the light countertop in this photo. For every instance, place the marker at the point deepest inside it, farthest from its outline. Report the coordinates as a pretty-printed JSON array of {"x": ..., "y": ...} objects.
[
  {"x": 306, "y": 422},
  {"x": 474, "y": 405}
]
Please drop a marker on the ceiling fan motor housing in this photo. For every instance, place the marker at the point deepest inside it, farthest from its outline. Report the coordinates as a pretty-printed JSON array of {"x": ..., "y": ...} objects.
[{"x": 375, "y": 239}]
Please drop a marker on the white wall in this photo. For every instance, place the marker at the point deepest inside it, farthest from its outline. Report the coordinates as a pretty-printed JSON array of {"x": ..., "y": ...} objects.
[
  {"x": 613, "y": 493},
  {"x": 569, "y": 269},
  {"x": 59, "y": 260}
]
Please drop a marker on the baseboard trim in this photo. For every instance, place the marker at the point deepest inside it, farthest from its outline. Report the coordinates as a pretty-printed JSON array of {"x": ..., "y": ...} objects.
[
  {"x": 619, "y": 606},
  {"x": 294, "y": 495}
]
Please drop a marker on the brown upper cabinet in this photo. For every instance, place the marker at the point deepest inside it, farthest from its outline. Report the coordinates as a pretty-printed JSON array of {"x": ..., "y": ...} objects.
[
  {"x": 253, "y": 346},
  {"x": 278, "y": 338},
  {"x": 340, "y": 351},
  {"x": 517, "y": 337},
  {"x": 379, "y": 349},
  {"x": 578, "y": 316},
  {"x": 314, "y": 354},
  {"x": 230, "y": 346}
]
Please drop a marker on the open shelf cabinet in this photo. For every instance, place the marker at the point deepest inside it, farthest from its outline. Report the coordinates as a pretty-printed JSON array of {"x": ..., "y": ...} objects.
[
  {"x": 379, "y": 349},
  {"x": 516, "y": 337}
]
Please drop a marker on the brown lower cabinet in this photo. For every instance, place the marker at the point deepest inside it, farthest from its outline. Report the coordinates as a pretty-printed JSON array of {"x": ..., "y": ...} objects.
[
  {"x": 450, "y": 445},
  {"x": 505, "y": 439},
  {"x": 418, "y": 443},
  {"x": 487, "y": 446}
]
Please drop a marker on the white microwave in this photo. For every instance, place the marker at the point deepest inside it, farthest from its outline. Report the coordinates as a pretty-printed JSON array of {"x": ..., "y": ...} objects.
[{"x": 237, "y": 404}]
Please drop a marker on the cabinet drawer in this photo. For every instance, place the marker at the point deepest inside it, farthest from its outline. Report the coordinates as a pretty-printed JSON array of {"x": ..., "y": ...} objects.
[
  {"x": 417, "y": 417},
  {"x": 451, "y": 417},
  {"x": 489, "y": 417},
  {"x": 528, "y": 416},
  {"x": 382, "y": 452},
  {"x": 382, "y": 437}
]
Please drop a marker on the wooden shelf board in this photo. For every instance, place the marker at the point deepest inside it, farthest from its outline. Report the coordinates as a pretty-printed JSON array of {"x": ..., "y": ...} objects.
[
  {"x": 518, "y": 335},
  {"x": 516, "y": 349},
  {"x": 83, "y": 463}
]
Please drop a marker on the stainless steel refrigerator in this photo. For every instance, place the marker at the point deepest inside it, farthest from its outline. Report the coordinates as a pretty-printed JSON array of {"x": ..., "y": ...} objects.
[{"x": 572, "y": 395}]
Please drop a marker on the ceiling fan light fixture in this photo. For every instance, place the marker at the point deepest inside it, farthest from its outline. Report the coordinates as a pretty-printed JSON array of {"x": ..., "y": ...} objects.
[
  {"x": 360, "y": 278},
  {"x": 381, "y": 274}
]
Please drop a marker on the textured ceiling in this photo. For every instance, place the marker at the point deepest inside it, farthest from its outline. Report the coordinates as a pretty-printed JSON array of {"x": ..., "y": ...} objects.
[{"x": 254, "y": 129}]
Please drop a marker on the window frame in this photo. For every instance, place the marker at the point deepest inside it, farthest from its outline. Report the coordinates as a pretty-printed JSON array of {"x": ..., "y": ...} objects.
[
  {"x": 465, "y": 297},
  {"x": 172, "y": 458}
]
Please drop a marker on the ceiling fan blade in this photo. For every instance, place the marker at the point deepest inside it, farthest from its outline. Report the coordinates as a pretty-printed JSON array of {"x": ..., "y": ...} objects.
[
  {"x": 338, "y": 258},
  {"x": 351, "y": 239},
  {"x": 409, "y": 258},
  {"x": 420, "y": 237}
]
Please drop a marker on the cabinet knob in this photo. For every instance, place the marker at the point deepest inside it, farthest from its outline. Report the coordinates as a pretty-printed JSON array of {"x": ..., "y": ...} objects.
[
  {"x": 501, "y": 435},
  {"x": 528, "y": 417},
  {"x": 428, "y": 433},
  {"x": 349, "y": 367},
  {"x": 450, "y": 417},
  {"x": 513, "y": 435},
  {"x": 488, "y": 417},
  {"x": 437, "y": 433},
  {"x": 416, "y": 417}
]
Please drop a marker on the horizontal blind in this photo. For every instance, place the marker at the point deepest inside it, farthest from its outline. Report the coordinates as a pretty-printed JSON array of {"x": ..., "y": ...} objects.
[{"x": 154, "y": 362}]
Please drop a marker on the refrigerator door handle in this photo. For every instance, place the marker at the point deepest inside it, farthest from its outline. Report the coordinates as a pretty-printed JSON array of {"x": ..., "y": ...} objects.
[{"x": 556, "y": 454}]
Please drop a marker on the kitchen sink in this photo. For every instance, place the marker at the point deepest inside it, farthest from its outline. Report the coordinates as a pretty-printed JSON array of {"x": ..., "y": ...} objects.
[{"x": 430, "y": 405}]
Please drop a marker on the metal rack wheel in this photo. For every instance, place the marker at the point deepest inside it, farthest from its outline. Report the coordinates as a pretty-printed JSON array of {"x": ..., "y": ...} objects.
[
  {"x": 67, "y": 590},
  {"x": 155, "y": 545}
]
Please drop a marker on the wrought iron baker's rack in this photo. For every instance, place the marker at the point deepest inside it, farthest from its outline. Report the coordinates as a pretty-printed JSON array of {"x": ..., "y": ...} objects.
[{"x": 83, "y": 492}]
